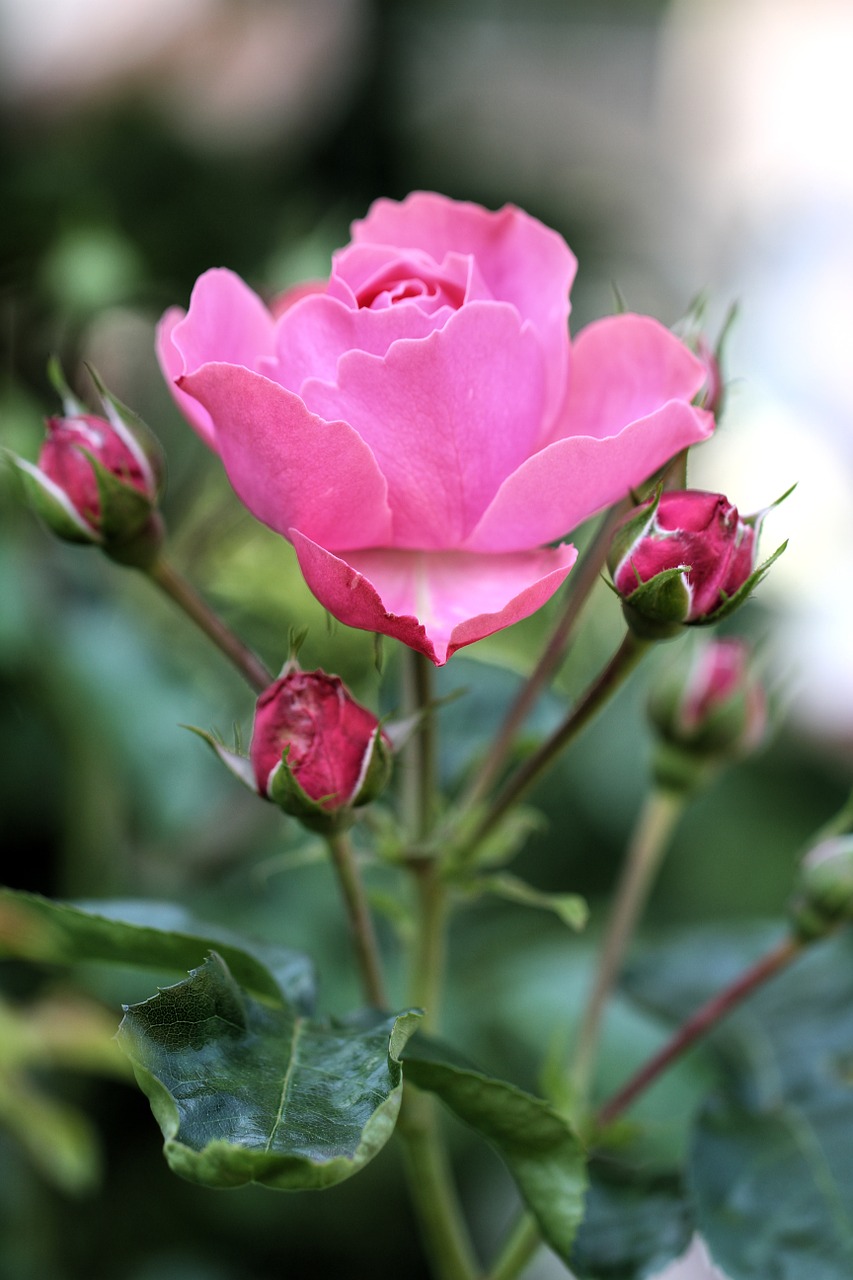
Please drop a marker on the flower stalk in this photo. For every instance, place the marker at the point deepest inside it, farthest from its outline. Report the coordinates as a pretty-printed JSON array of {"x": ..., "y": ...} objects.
[
  {"x": 358, "y": 914},
  {"x": 580, "y": 584},
  {"x": 590, "y": 702},
  {"x": 196, "y": 608}
]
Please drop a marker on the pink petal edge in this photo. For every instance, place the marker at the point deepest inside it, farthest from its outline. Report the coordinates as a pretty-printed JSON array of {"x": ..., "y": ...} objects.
[{"x": 377, "y": 590}]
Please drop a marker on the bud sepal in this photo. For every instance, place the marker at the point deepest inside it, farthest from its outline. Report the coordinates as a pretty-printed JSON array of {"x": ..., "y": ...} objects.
[{"x": 823, "y": 898}]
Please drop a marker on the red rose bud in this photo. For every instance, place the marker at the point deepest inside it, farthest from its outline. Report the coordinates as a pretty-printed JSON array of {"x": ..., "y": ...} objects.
[
  {"x": 97, "y": 479},
  {"x": 707, "y": 712},
  {"x": 315, "y": 751},
  {"x": 824, "y": 893},
  {"x": 684, "y": 557}
]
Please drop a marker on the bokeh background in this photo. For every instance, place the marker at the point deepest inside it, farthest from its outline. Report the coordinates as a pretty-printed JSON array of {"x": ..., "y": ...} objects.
[{"x": 695, "y": 146}]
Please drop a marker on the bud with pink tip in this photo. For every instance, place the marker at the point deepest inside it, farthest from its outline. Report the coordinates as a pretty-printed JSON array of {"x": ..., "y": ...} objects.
[
  {"x": 315, "y": 751},
  {"x": 97, "y": 478},
  {"x": 685, "y": 557},
  {"x": 706, "y": 713}
]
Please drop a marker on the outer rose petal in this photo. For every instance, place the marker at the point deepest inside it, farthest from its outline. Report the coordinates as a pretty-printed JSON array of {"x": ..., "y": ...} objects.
[
  {"x": 435, "y": 602},
  {"x": 447, "y": 418},
  {"x": 289, "y": 466},
  {"x": 226, "y": 322},
  {"x": 172, "y": 365},
  {"x": 623, "y": 368},
  {"x": 521, "y": 261},
  {"x": 555, "y": 490}
]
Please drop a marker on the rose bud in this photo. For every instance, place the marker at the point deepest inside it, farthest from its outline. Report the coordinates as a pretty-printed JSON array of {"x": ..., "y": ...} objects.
[
  {"x": 706, "y": 713},
  {"x": 684, "y": 557},
  {"x": 97, "y": 479},
  {"x": 315, "y": 751},
  {"x": 824, "y": 895}
]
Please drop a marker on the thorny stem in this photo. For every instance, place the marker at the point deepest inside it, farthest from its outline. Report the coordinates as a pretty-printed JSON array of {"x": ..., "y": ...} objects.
[
  {"x": 580, "y": 585},
  {"x": 645, "y": 851},
  {"x": 360, "y": 921},
  {"x": 592, "y": 700},
  {"x": 175, "y": 586},
  {"x": 703, "y": 1021}
]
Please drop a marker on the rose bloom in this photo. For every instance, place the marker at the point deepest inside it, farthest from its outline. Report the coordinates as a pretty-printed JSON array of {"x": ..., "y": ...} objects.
[{"x": 420, "y": 427}]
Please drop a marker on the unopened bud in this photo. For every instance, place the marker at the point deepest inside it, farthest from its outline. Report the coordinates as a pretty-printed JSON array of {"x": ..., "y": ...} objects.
[{"x": 824, "y": 892}]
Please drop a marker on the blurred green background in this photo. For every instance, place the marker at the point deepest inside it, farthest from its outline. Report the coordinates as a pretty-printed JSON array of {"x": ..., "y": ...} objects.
[{"x": 136, "y": 150}]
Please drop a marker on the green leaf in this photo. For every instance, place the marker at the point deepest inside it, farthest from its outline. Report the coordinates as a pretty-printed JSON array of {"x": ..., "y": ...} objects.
[
  {"x": 571, "y": 908},
  {"x": 771, "y": 1160},
  {"x": 631, "y": 1229},
  {"x": 774, "y": 1191},
  {"x": 149, "y": 934},
  {"x": 538, "y": 1145},
  {"x": 248, "y": 1093}
]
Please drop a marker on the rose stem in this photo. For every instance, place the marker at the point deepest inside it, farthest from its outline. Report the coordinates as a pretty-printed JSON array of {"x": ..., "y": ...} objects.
[
  {"x": 174, "y": 585},
  {"x": 648, "y": 843},
  {"x": 580, "y": 584},
  {"x": 701, "y": 1022},
  {"x": 646, "y": 848},
  {"x": 358, "y": 913},
  {"x": 592, "y": 700},
  {"x": 429, "y": 1175}
]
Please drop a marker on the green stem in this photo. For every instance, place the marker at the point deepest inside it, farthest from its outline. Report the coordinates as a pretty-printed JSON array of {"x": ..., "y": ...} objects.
[
  {"x": 580, "y": 584},
  {"x": 358, "y": 913},
  {"x": 522, "y": 1244},
  {"x": 703, "y": 1021},
  {"x": 178, "y": 589},
  {"x": 430, "y": 1179},
  {"x": 432, "y": 1191},
  {"x": 645, "y": 852},
  {"x": 592, "y": 700}
]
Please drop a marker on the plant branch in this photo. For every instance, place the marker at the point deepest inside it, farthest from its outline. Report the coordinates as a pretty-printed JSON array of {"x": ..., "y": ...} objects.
[
  {"x": 645, "y": 852},
  {"x": 703, "y": 1021},
  {"x": 580, "y": 584},
  {"x": 360, "y": 922},
  {"x": 592, "y": 700},
  {"x": 178, "y": 589}
]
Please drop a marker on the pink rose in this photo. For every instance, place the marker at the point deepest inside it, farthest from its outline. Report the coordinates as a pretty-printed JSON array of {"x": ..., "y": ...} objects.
[
  {"x": 421, "y": 427},
  {"x": 310, "y": 731},
  {"x": 694, "y": 551}
]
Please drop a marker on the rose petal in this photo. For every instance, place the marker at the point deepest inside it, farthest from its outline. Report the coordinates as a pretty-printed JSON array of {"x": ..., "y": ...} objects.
[
  {"x": 447, "y": 418},
  {"x": 316, "y": 332},
  {"x": 172, "y": 364},
  {"x": 558, "y": 488},
  {"x": 521, "y": 260},
  {"x": 226, "y": 322},
  {"x": 435, "y": 602},
  {"x": 290, "y": 467},
  {"x": 623, "y": 368}
]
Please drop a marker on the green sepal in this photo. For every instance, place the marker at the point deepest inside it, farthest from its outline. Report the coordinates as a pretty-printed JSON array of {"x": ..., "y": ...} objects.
[
  {"x": 377, "y": 771},
  {"x": 124, "y": 508},
  {"x": 244, "y": 1092},
  {"x": 52, "y": 504},
  {"x": 284, "y": 790},
  {"x": 240, "y": 766},
  {"x": 658, "y": 609},
  {"x": 636, "y": 525},
  {"x": 71, "y": 406},
  {"x": 136, "y": 434},
  {"x": 538, "y": 1145}
]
